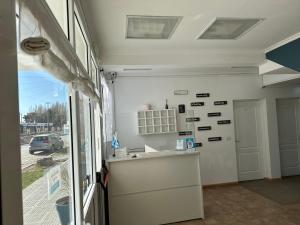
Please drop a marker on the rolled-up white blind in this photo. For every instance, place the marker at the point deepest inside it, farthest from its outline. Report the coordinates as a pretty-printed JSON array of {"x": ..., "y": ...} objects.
[{"x": 37, "y": 27}]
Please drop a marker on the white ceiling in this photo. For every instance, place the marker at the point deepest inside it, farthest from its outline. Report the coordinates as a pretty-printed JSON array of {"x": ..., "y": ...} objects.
[{"x": 108, "y": 20}]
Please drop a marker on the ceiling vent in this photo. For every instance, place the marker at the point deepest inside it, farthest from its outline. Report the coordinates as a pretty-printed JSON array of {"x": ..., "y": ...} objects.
[
  {"x": 151, "y": 27},
  {"x": 229, "y": 28}
]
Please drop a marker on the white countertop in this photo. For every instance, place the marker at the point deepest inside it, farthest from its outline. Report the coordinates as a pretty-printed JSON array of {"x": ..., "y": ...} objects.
[{"x": 149, "y": 155}]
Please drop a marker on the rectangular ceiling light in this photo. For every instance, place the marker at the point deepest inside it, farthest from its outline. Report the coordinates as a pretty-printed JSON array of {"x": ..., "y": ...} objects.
[
  {"x": 228, "y": 28},
  {"x": 151, "y": 27}
]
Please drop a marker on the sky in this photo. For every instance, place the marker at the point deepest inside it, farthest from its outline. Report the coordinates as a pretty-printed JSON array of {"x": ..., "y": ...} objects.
[{"x": 39, "y": 87}]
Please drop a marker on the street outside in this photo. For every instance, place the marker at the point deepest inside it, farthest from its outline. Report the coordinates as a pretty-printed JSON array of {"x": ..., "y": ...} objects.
[
  {"x": 28, "y": 160},
  {"x": 38, "y": 208}
]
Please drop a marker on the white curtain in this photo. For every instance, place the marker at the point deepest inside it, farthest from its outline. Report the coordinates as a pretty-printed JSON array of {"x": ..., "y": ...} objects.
[
  {"x": 107, "y": 111},
  {"x": 37, "y": 21}
]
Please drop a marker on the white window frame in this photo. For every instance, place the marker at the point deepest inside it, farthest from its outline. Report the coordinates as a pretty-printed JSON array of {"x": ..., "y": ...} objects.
[
  {"x": 77, "y": 18},
  {"x": 67, "y": 32},
  {"x": 10, "y": 160}
]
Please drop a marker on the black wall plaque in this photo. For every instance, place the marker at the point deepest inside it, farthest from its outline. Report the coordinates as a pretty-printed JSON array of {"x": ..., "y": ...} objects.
[
  {"x": 185, "y": 133},
  {"x": 224, "y": 121},
  {"x": 204, "y": 128},
  {"x": 197, "y": 145},
  {"x": 181, "y": 108},
  {"x": 202, "y": 95},
  {"x": 197, "y": 104},
  {"x": 215, "y": 139},
  {"x": 220, "y": 103},
  {"x": 192, "y": 119},
  {"x": 213, "y": 114}
]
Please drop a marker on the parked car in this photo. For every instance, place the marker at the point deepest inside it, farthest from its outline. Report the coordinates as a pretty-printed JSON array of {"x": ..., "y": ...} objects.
[{"x": 45, "y": 143}]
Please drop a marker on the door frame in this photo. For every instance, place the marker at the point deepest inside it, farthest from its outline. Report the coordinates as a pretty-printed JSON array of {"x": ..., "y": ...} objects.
[{"x": 261, "y": 104}]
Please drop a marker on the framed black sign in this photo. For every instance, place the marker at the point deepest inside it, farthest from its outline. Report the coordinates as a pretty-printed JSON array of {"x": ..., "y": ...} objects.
[
  {"x": 185, "y": 133},
  {"x": 197, "y": 145},
  {"x": 197, "y": 104},
  {"x": 181, "y": 108},
  {"x": 220, "y": 103},
  {"x": 202, "y": 95},
  {"x": 193, "y": 119},
  {"x": 213, "y": 114},
  {"x": 204, "y": 128},
  {"x": 224, "y": 122},
  {"x": 215, "y": 139}
]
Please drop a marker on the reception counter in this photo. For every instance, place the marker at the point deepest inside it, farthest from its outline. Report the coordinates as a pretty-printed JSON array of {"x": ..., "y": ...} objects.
[{"x": 155, "y": 188}]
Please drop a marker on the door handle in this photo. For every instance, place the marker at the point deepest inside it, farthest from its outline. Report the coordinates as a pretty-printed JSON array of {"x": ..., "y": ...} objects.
[{"x": 237, "y": 141}]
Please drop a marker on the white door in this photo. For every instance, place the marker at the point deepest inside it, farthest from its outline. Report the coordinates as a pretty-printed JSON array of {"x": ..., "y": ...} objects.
[
  {"x": 288, "y": 129},
  {"x": 248, "y": 140}
]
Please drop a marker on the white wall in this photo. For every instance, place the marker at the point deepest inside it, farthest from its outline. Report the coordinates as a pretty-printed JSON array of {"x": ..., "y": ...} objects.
[{"x": 218, "y": 160}]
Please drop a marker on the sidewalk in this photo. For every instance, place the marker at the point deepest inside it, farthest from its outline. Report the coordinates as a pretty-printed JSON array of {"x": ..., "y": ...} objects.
[{"x": 38, "y": 209}]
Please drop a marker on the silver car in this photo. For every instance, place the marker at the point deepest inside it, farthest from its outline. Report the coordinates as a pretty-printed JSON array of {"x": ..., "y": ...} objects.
[{"x": 45, "y": 142}]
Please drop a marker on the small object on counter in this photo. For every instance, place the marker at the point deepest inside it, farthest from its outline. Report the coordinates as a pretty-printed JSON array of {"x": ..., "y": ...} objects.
[
  {"x": 166, "y": 106},
  {"x": 189, "y": 143},
  {"x": 180, "y": 146},
  {"x": 115, "y": 144}
]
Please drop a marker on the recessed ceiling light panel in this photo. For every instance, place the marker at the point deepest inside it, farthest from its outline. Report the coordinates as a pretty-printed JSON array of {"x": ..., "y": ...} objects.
[
  {"x": 229, "y": 28},
  {"x": 151, "y": 27}
]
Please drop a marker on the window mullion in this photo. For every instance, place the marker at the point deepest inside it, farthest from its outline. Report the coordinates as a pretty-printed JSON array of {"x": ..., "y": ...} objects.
[{"x": 78, "y": 190}]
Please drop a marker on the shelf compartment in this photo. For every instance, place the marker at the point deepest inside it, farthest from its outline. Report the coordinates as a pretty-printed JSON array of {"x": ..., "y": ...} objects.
[
  {"x": 171, "y": 112},
  {"x": 164, "y": 128},
  {"x": 157, "y": 129},
  {"x": 156, "y": 121},
  {"x": 149, "y": 114},
  {"x": 142, "y": 130},
  {"x": 171, "y": 120},
  {"x": 156, "y": 113},
  {"x": 164, "y": 113},
  {"x": 149, "y": 122},
  {"x": 141, "y": 114},
  {"x": 172, "y": 128},
  {"x": 142, "y": 122},
  {"x": 164, "y": 121},
  {"x": 150, "y": 129}
]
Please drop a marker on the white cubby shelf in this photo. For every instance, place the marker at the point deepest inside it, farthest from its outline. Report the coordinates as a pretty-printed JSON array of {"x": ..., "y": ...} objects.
[{"x": 157, "y": 121}]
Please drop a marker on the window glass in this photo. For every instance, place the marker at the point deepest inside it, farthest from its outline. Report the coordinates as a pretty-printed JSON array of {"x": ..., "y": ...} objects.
[
  {"x": 94, "y": 73},
  {"x": 98, "y": 136},
  {"x": 59, "y": 9},
  {"x": 46, "y": 154},
  {"x": 81, "y": 44},
  {"x": 85, "y": 142}
]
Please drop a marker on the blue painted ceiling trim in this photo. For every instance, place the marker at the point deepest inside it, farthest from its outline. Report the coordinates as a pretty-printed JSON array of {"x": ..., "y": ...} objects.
[{"x": 287, "y": 55}]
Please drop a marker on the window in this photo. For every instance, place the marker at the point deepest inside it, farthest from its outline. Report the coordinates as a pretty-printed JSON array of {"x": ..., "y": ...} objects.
[
  {"x": 85, "y": 144},
  {"x": 59, "y": 9},
  {"x": 94, "y": 73},
  {"x": 81, "y": 44},
  {"x": 46, "y": 152}
]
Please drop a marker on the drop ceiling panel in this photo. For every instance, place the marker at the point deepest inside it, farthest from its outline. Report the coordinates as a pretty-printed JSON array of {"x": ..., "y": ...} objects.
[
  {"x": 151, "y": 27},
  {"x": 228, "y": 28},
  {"x": 108, "y": 21}
]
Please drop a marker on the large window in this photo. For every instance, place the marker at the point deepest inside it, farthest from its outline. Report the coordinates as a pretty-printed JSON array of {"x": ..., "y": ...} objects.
[
  {"x": 46, "y": 152},
  {"x": 59, "y": 9},
  {"x": 58, "y": 174},
  {"x": 80, "y": 43},
  {"x": 85, "y": 144}
]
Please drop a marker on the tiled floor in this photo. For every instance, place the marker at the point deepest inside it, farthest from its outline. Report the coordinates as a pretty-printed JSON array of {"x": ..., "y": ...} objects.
[{"x": 235, "y": 205}]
